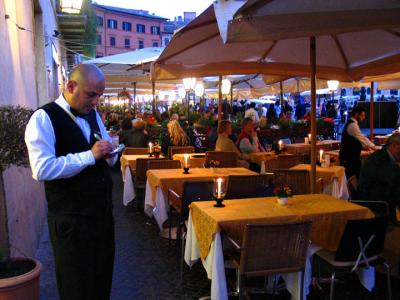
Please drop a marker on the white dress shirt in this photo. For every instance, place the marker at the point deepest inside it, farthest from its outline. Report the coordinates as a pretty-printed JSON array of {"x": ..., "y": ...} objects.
[
  {"x": 354, "y": 130},
  {"x": 40, "y": 140},
  {"x": 253, "y": 114}
]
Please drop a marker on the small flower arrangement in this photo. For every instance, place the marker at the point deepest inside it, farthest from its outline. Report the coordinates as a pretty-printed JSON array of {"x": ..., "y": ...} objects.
[
  {"x": 214, "y": 163},
  {"x": 156, "y": 149},
  {"x": 283, "y": 191}
]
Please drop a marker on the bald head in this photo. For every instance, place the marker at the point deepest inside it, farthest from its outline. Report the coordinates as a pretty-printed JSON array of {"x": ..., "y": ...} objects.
[{"x": 84, "y": 87}]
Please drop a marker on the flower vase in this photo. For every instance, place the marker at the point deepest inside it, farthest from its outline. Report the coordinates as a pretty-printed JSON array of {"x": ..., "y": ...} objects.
[
  {"x": 156, "y": 154},
  {"x": 282, "y": 200}
]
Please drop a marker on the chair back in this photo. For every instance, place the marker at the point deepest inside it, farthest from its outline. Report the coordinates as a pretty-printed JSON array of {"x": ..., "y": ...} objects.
[
  {"x": 227, "y": 159},
  {"x": 363, "y": 230},
  {"x": 298, "y": 180},
  {"x": 163, "y": 164},
  {"x": 278, "y": 248},
  {"x": 141, "y": 170},
  {"x": 244, "y": 186},
  {"x": 288, "y": 161},
  {"x": 135, "y": 151},
  {"x": 325, "y": 147},
  {"x": 172, "y": 150},
  {"x": 352, "y": 186},
  {"x": 195, "y": 191}
]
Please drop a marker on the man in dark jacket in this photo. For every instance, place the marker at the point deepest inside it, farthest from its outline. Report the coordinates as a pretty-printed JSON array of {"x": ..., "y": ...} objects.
[
  {"x": 65, "y": 152},
  {"x": 380, "y": 175}
]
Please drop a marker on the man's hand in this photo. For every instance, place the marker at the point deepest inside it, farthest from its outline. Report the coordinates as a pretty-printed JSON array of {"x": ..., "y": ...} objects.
[{"x": 101, "y": 149}]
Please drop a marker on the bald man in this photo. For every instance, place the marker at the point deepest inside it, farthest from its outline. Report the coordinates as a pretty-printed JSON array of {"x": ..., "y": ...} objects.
[{"x": 74, "y": 165}]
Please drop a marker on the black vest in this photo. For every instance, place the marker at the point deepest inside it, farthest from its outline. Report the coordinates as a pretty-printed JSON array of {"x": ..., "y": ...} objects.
[
  {"x": 90, "y": 191},
  {"x": 350, "y": 147}
]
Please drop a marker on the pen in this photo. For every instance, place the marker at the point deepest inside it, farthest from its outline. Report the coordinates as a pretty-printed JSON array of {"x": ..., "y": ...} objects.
[{"x": 97, "y": 136}]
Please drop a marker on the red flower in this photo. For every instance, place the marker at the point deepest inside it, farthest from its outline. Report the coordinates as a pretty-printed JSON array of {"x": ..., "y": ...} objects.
[{"x": 328, "y": 120}]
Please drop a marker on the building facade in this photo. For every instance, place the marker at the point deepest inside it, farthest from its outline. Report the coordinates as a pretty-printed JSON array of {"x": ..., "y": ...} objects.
[
  {"x": 171, "y": 26},
  {"x": 121, "y": 30}
]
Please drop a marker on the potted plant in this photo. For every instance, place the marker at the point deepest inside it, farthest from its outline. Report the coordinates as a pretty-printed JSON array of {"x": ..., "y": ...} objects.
[
  {"x": 19, "y": 277},
  {"x": 283, "y": 193}
]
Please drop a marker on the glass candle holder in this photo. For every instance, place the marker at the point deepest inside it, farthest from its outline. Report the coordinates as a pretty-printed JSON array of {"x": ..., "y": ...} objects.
[{"x": 219, "y": 191}]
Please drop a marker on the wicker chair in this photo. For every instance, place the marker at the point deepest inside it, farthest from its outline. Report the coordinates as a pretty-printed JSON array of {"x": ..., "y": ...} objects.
[
  {"x": 227, "y": 159},
  {"x": 140, "y": 172},
  {"x": 325, "y": 147},
  {"x": 192, "y": 191},
  {"x": 288, "y": 161},
  {"x": 163, "y": 164},
  {"x": 271, "y": 249},
  {"x": 136, "y": 151},
  {"x": 244, "y": 186},
  {"x": 298, "y": 180},
  {"x": 172, "y": 150}
]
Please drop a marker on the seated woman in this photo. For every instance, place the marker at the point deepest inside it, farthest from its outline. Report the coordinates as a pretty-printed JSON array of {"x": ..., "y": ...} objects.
[
  {"x": 175, "y": 137},
  {"x": 224, "y": 143},
  {"x": 133, "y": 135},
  {"x": 248, "y": 139}
]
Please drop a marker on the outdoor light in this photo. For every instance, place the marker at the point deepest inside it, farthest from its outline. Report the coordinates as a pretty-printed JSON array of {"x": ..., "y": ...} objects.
[
  {"x": 71, "y": 6},
  {"x": 199, "y": 89},
  {"x": 189, "y": 83},
  {"x": 226, "y": 86},
  {"x": 333, "y": 85},
  {"x": 182, "y": 93}
]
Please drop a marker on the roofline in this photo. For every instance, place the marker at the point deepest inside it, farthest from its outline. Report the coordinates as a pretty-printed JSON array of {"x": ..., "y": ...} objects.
[{"x": 110, "y": 8}]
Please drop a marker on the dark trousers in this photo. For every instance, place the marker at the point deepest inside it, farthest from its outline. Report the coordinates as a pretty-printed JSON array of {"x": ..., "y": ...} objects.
[
  {"x": 83, "y": 249},
  {"x": 352, "y": 167}
]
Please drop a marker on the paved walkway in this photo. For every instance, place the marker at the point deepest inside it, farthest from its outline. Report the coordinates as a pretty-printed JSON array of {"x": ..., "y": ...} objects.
[{"x": 146, "y": 267}]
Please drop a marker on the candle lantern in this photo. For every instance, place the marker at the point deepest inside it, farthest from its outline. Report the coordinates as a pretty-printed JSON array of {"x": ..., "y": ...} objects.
[{"x": 219, "y": 191}]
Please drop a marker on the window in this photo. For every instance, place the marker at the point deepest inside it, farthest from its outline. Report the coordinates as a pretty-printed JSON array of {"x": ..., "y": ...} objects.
[
  {"x": 112, "y": 24},
  {"x": 99, "y": 21},
  {"x": 99, "y": 39},
  {"x": 112, "y": 41},
  {"x": 140, "y": 28},
  {"x": 155, "y": 30},
  {"x": 166, "y": 41},
  {"x": 127, "y": 43},
  {"x": 126, "y": 26},
  {"x": 155, "y": 44},
  {"x": 141, "y": 44}
]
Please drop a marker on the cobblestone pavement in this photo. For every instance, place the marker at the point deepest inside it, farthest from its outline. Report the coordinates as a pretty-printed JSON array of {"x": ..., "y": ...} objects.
[{"x": 146, "y": 267}]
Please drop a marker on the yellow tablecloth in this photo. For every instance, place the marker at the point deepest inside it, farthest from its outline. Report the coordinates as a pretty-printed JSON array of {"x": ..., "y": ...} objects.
[
  {"x": 328, "y": 214},
  {"x": 195, "y": 162},
  {"x": 303, "y": 148},
  {"x": 174, "y": 178},
  {"x": 131, "y": 160},
  {"x": 327, "y": 174},
  {"x": 261, "y": 156}
]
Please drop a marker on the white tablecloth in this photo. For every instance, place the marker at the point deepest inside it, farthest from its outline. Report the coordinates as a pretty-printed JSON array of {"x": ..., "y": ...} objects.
[
  {"x": 332, "y": 188},
  {"x": 129, "y": 188},
  {"x": 160, "y": 212}
]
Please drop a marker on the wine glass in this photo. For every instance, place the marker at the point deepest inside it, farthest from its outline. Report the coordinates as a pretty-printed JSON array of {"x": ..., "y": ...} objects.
[{"x": 268, "y": 147}]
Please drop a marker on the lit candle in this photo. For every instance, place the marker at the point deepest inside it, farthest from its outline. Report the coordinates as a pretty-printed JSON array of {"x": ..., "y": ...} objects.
[
  {"x": 219, "y": 188},
  {"x": 185, "y": 160},
  {"x": 321, "y": 153},
  {"x": 150, "y": 147},
  {"x": 398, "y": 129},
  {"x": 280, "y": 144},
  {"x": 309, "y": 137}
]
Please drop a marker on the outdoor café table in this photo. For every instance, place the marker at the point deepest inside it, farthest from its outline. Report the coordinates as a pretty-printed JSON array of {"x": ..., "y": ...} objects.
[
  {"x": 206, "y": 222},
  {"x": 160, "y": 181},
  {"x": 196, "y": 160},
  {"x": 334, "y": 178},
  {"x": 258, "y": 157},
  {"x": 129, "y": 189},
  {"x": 304, "y": 148},
  {"x": 334, "y": 156}
]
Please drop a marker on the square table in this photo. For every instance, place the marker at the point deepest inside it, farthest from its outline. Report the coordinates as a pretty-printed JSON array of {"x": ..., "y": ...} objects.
[
  {"x": 160, "y": 181},
  {"x": 196, "y": 160},
  {"x": 328, "y": 215},
  {"x": 335, "y": 155},
  {"x": 259, "y": 157},
  {"x": 304, "y": 148},
  {"x": 334, "y": 177},
  {"x": 126, "y": 162}
]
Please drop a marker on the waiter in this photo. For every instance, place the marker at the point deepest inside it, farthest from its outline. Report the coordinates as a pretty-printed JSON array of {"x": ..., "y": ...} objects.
[
  {"x": 352, "y": 143},
  {"x": 74, "y": 165}
]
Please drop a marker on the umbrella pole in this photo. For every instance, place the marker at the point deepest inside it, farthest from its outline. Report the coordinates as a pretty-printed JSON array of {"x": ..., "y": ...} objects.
[
  {"x": 371, "y": 113},
  {"x": 231, "y": 97},
  {"x": 281, "y": 87},
  {"x": 153, "y": 91},
  {"x": 313, "y": 114},
  {"x": 134, "y": 99},
  {"x": 220, "y": 100}
]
